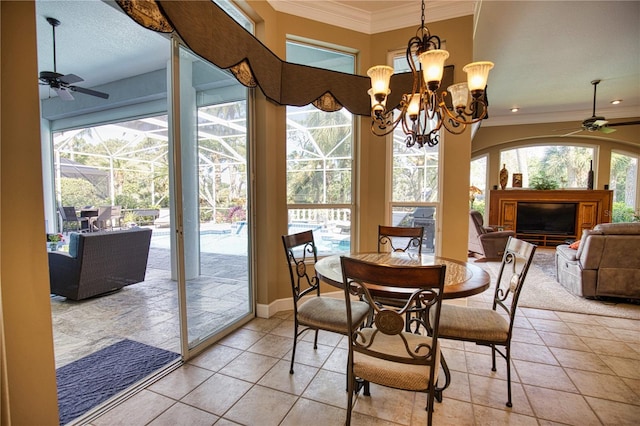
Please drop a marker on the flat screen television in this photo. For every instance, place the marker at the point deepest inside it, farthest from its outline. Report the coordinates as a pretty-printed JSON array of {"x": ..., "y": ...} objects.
[{"x": 546, "y": 218}]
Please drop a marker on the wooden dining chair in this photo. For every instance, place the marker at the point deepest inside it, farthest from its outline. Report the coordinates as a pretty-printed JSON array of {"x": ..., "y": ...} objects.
[
  {"x": 382, "y": 352},
  {"x": 492, "y": 327},
  {"x": 400, "y": 238},
  {"x": 311, "y": 310}
]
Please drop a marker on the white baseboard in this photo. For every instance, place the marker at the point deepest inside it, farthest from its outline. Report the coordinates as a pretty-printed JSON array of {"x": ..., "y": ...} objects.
[{"x": 279, "y": 305}]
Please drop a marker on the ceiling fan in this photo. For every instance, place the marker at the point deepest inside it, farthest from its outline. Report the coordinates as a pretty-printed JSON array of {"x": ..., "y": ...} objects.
[
  {"x": 599, "y": 123},
  {"x": 63, "y": 84}
]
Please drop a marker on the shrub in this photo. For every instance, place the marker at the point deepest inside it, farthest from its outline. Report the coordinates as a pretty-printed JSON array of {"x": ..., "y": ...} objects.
[
  {"x": 623, "y": 213},
  {"x": 542, "y": 181}
]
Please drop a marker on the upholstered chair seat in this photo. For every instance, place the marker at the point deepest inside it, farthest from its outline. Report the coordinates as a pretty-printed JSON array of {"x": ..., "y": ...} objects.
[
  {"x": 414, "y": 377},
  {"x": 475, "y": 324},
  {"x": 328, "y": 313}
]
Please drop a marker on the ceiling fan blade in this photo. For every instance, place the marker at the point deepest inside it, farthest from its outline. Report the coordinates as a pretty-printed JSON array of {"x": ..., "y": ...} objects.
[
  {"x": 70, "y": 79},
  {"x": 625, "y": 123},
  {"x": 572, "y": 133},
  {"x": 63, "y": 93},
  {"x": 89, "y": 92},
  {"x": 600, "y": 123},
  {"x": 606, "y": 130}
]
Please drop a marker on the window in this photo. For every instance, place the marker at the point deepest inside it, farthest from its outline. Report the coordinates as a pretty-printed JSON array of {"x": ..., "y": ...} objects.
[
  {"x": 478, "y": 185},
  {"x": 319, "y": 160},
  {"x": 233, "y": 11},
  {"x": 123, "y": 163},
  {"x": 624, "y": 182},
  {"x": 414, "y": 179},
  {"x": 561, "y": 166}
]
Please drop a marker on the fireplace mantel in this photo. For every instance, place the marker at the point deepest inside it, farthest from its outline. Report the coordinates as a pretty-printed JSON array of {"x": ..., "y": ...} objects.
[{"x": 594, "y": 206}]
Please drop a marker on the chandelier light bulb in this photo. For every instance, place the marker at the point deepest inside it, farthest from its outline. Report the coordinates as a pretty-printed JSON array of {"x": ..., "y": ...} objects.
[
  {"x": 432, "y": 62},
  {"x": 377, "y": 106},
  {"x": 477, "y": 75},
  {"x": 459, "y": 95},
  {"x": 380, "y": 76},
  {"x": 414, "y": 106}
]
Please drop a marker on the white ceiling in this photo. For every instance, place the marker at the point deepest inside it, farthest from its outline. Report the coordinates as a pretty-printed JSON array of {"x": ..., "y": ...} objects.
[{"x": 546, "y": 52}]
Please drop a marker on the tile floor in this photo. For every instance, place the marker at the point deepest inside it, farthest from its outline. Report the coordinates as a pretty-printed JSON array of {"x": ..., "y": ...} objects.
[{"x": 569, "y": 369}]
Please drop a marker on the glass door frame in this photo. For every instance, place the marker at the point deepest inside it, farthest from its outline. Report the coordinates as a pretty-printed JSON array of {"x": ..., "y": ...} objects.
[{"x": 176, "y": 187}]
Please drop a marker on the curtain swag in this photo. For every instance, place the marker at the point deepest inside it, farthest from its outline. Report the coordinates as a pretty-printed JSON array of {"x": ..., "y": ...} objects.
[{"x": 212, "y": 34}]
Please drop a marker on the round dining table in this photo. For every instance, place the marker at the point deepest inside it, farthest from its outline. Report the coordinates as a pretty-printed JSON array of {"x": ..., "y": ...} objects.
[{"x": 462, "y": 279}]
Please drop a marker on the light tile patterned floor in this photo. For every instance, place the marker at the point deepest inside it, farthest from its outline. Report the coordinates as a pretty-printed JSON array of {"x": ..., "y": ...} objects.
[{"x": 568, "y": 369}]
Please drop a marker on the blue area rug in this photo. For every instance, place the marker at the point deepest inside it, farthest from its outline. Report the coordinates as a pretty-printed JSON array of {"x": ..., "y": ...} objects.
[{"x": 91, "y": 380}]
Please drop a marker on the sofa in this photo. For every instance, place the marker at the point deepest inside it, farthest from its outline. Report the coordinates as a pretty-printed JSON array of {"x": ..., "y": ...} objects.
[
  {"x": 606, "y": 262},
  {"x": 486, "y": 243},
  {"x": 99, "y": 263}
]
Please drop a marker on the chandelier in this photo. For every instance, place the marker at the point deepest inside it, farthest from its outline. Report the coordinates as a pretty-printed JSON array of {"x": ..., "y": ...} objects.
[{"x": 423, "y": 112}]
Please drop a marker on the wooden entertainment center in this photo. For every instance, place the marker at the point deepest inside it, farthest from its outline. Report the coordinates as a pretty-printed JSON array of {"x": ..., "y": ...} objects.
[{"x": 593, "y": 207}]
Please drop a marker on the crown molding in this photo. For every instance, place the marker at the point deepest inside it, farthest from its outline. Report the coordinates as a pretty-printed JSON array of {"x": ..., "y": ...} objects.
[{"x": 357, "y": 19}]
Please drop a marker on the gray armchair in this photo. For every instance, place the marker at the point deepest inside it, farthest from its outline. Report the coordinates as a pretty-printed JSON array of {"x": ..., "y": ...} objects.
[{"x": 485, "y": 243}]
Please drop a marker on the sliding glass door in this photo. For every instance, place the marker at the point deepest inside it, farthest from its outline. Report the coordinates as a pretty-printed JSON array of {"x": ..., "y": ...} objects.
[{"x": 211, "y": 219}]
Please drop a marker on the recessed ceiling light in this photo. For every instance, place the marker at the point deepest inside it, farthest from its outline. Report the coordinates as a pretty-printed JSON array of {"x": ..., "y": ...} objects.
[
  {"x": 616, "y": 101},
  {"x": 514, "y": 109}
]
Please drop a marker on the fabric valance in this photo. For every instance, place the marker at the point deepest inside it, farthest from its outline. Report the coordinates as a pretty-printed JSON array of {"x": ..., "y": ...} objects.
[{"x": 212, "y": 34}]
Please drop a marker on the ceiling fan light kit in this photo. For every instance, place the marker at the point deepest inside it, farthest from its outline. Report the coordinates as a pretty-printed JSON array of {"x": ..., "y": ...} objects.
[
  {"x": 423, "y": 112},
  {"x": 61, "y": 83}
]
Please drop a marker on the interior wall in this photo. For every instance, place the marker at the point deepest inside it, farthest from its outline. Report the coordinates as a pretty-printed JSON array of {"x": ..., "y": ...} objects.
[{"x": 29, "y": 395}]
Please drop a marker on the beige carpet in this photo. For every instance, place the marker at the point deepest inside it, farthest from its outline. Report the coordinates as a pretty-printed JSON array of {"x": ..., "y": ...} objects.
[{"x": 542, "y": 291}]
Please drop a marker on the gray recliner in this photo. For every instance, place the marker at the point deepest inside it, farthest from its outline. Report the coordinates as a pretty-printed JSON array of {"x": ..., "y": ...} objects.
[
  {"x": 485, "y": 243},
  {"x": 606, "y": 263}
]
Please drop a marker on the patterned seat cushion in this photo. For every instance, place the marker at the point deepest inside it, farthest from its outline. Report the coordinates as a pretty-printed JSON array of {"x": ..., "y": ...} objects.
[
  {"x": 474, "y": 324},
  {"x": 394, "y": 374},
  {"x": 328, "y": 313}
]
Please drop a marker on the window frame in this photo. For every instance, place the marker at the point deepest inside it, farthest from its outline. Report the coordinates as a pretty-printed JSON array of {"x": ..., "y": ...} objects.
[
  {"x": 336, "y": 210},
  {"x": 636, "y": 156}
]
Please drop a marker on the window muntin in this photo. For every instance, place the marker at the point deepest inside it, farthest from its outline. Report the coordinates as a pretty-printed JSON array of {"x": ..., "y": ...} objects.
[{"x": 320, "y": 159}]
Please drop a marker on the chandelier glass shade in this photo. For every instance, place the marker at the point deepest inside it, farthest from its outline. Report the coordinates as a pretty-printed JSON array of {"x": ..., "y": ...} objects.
[{"x": 424, "y": 111}]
